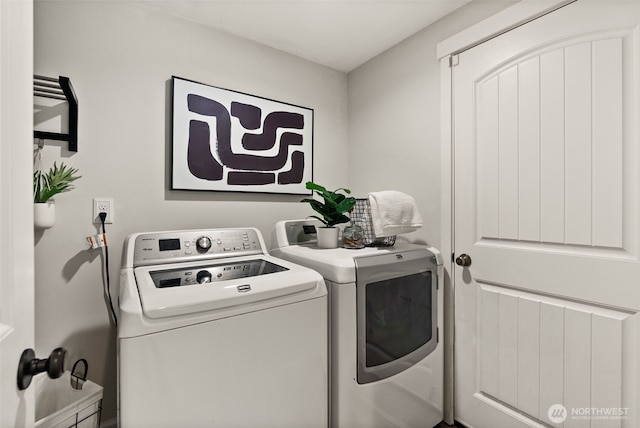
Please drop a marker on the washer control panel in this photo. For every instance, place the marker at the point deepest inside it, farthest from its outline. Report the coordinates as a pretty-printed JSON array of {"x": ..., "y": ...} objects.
[
  {"x": 224, "y": 270},
  {"x": 163, "y": 247}
]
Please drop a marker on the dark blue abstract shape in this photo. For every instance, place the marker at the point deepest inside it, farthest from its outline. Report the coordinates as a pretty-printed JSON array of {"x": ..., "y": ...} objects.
[
  {"x": 250, "y": 116},
  {"x": 250, "y": 178},
  {"x": 273, "y": 121},
  {"x": 200, "y": 161},
  {"x": 295, "y": 174},
  {"x": 208, "y": 107},
  {"x": 290, "y": 139}
]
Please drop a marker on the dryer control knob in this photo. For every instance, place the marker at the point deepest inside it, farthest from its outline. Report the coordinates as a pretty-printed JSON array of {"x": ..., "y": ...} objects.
[
  {"x": 203, "y": 277},
  {"x": 203, "y": 244}
]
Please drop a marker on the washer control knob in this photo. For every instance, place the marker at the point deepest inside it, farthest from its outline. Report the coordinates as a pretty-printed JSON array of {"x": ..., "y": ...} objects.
[
  {"x": 203, "y": 277},
  {"x": 203, "y": 244}
]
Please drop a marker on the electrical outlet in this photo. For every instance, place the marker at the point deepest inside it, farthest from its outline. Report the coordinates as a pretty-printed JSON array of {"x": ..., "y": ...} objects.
[{"x": 102, "y": 205}]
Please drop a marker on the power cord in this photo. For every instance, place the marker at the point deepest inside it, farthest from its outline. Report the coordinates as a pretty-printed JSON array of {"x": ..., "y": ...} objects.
[{"x": 103, "y": 218}]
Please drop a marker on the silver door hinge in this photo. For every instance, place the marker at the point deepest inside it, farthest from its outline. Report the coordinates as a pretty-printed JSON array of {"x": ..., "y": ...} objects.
[{"x": 453, "y": 60}]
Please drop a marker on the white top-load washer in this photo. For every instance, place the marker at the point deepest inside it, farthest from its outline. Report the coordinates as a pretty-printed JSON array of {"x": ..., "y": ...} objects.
[
  {"x": 215, "y": 332},
  {"x": 386, "y": 307}
]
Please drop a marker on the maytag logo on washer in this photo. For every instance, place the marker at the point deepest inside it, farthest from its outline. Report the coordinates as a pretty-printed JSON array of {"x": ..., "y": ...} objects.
[{"x": 557, "y": 413}]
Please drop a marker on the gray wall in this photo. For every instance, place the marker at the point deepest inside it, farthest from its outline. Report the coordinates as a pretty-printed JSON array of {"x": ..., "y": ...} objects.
[
  {"x": 394, "y": 117},
  {"x": 120, "y": 59}
]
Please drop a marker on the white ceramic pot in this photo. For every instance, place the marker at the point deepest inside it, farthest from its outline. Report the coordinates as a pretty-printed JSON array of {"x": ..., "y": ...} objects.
[
  {"x": 44, "y": 214},
  {"x": 327, "y": 237}
]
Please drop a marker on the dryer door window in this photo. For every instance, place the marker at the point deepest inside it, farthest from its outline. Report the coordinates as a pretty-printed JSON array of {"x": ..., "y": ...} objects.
[
  {"x": 397, "y": 322},
  {"x": 398, "y": 317}
]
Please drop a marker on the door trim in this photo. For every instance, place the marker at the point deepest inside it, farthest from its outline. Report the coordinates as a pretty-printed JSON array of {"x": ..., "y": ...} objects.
[
  {"x": 506, "y": 20},
  {"x": 519, "y": 14},
  {"x": 16, "y": 218}
]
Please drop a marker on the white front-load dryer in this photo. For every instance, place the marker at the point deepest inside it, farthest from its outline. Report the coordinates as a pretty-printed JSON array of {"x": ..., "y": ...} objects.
[
  {"x": 214, "y": 332},
  {"x": 385, "y": 313}
]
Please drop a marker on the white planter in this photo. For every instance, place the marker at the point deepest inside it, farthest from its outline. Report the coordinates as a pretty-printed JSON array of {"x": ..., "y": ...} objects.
[
  {"x": 327, "y": 237},
  {"x": 44, "y": 214}
]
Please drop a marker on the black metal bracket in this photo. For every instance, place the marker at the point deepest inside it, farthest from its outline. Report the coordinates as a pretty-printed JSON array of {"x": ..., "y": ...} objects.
[{"x": 58, "y": 89}]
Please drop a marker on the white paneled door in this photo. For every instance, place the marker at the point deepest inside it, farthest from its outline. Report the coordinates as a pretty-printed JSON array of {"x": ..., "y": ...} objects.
[{"x": 547, "y": 209}]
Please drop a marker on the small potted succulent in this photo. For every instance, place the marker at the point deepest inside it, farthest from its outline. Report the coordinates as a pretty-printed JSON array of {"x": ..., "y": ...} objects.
[
  {"x": 45, "y": 186},
  {"x": 332, "y": 211}
]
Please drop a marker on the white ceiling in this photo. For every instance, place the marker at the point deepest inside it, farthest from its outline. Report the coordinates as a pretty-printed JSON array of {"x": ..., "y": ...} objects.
[{"x": 341, "y": 34}]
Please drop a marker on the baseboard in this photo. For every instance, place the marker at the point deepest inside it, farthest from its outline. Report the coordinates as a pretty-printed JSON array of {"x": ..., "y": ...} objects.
[{"x": 111, "y": 423}]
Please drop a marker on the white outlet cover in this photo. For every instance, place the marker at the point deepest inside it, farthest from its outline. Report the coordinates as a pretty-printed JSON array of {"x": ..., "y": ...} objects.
[{"x": 97, "y": 202}]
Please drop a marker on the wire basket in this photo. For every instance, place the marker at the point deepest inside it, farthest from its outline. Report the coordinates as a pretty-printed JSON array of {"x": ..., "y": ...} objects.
[
  {"x": 361, "y": 215},
  {"x": 60, "y": 405}
]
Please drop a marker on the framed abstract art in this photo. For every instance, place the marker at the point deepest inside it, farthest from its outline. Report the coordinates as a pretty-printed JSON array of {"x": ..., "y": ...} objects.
[{"x": 225, "y": 140}]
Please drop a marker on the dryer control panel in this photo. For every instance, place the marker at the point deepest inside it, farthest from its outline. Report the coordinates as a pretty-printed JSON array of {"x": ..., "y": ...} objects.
[{"x": 187, "y": 245}]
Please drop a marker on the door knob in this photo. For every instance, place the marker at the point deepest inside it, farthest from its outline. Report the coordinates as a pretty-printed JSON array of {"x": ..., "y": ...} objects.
[
  {"x": 30, "y": 366},
  {"x": 463, "y": 260}
]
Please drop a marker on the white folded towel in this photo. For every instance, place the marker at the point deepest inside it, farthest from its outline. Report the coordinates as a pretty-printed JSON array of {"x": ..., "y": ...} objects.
[{"x": 393, "y": 213}]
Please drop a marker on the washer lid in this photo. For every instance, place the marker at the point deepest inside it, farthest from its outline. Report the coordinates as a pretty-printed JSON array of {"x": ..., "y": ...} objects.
[{"x": 185, "y": 288}]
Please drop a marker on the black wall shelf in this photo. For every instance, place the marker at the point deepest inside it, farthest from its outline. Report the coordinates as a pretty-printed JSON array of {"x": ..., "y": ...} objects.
[{"x": 58, "y": 89}]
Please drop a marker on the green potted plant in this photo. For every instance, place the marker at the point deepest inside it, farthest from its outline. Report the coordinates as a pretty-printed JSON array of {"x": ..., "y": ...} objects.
[
  {"x": 332, "y": 211},
  {"x": 45, "y": 186}
]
